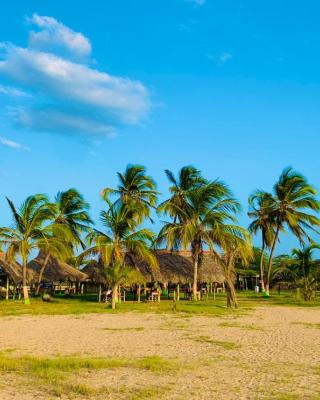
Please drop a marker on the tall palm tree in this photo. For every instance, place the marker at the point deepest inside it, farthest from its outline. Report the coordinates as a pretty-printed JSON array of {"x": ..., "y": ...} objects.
[
  {"x": 70, "y": 220},
  {"x": 121, "y": 239},
  {"x": 27, "y": 232},
  {"x": 261, "y": 210},
  {"x": 188, "y": 180},
  {"x": 294, "y": 198},
  {"x": 135, "y": 189},
  {"x": 204, "y": 222}
]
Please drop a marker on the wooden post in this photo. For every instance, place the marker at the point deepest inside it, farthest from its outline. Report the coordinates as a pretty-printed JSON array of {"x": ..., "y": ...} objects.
[
  {"x": 174, "y": 295},
  {"x": 7, "y": 292},
  {"x": 139, "y": 293},
  {"x": 119, "y": 294},
  {"x": 214, "y": 291},
  {"x": 178, "y": 292},
  {"x": 99, "y": 294}
]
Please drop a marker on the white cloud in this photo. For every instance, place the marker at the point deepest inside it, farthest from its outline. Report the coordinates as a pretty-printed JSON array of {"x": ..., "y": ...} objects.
[
  {"x": 55, "y": 35},
  {"x": 13, "y": 145},
  {"x": 72, "y": 95}
]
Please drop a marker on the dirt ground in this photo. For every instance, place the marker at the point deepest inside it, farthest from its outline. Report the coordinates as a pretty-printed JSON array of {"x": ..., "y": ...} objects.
[{"x": 268, "y": 353}]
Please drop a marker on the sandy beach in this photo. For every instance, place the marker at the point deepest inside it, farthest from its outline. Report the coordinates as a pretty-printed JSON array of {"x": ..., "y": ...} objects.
[{"x": 271, "y": 352}]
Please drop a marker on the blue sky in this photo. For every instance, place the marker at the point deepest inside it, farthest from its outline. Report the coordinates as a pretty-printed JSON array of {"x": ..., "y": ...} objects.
[{"x": 232, "y": 87}]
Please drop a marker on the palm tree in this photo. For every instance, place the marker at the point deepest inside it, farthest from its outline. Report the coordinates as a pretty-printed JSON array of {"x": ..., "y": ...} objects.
[
  {"x": 136, "y": 189},
  {"x": 188, "y": 180},
  {"x": 261, "y": 207},
  {"x": 28, "y": 231},
  {"x": 306, "y": 269},
  {"x": 72, "y": 212},
  {"x": 294, "y": 199},
  {"x": 237, "y": 247},
  {"x": 70, "y": 220},
  {"x": 122, "y": 239},
  {"x": 204, "y": 222}
]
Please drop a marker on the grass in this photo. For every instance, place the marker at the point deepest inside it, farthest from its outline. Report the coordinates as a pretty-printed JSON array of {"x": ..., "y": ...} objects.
[
  {"x": 224, "y": 344},
  {"x": 85, "y": 305},
  {"x": 56, "y": 375},
  {"x": 241, "y": 326},
  {"x": 307, "y": 325},
  {"x": 136, "y": 329}
]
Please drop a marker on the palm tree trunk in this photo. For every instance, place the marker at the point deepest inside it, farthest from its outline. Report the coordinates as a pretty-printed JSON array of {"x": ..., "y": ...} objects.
[
  {"x": 114, "y": 297},
  {"x": 43, "y": 267},
  {"x": 267, "y": 286},
  {"x": 261, "y": 264},
  {"x": 24, "y": 280},
  {"x": 195, "y": 274},
  {"x": 232, "y": 301}
]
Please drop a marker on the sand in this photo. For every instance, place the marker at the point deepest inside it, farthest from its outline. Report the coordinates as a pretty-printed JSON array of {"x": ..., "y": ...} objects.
[{"x": 269, "y": 353}]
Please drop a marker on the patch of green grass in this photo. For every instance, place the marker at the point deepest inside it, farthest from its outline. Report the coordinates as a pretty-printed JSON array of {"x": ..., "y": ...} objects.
[
  {"x": 83, "y": 304},
  {"x": 56, "y": 375},
  {"x": 240, "y": 326},
  {"x": 206, "y": 339},
  {"x": 307, "y": 324},
  {"x": 137, "y": 329},
  {"x": 148, "y": 392}
]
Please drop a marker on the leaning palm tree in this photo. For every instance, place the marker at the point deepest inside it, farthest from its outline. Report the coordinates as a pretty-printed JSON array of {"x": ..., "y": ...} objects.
[
  {"x": 294, "y": 208},
  {"x": 70, "y": 220},
  {"x": 237, "y": 247},
  {"x": 121, "y": 240},
  {"x": 27, "y": 232},
  {"x": 261, "y": 210},
  {"x": 135, "y": 189},
  {"x": 205, "y": 221},
  {"x": 188, "y": 180}
]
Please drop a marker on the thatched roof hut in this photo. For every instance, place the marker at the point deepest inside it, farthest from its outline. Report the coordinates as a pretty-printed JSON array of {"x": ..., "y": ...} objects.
[
  {"x": 56, "y": 270},
  {"x": 176, "y": 267},
  {"x": 14, "y": 271}
]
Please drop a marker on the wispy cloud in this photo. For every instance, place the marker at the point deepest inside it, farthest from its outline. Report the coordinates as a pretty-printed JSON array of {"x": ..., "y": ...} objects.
[
  {"x": 12, "y": 144},
  {"x": 11, "y": 91},
  {"x": 198, "y": 3},
  {"x": 221, "y": 59},
  {"x": 69, "y": 95}
]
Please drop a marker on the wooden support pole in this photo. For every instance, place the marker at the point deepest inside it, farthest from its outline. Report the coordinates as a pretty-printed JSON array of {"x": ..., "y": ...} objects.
[
  {"x": 178, "y": 292},
  {"x": 7, "y": 291}
]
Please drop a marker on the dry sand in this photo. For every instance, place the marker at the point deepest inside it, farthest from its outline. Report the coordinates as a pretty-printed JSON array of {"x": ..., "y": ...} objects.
[{"x": 269, "y": 353}]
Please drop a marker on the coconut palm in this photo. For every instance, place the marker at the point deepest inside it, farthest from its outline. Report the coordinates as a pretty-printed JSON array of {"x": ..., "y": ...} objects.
[
  {"x": 294, "y": 198},
  {"x": 261, "y": 207},
  {"x": 121, "y": 239},
  {"x": 188, "y": 179},
  {"x": 202, "y": 223},
  {"x": 306, "y": 270},
  {"x": 135, "y": 189},
  {"x": 70, "y": 220},
  {"x": 237, "y": 247},
  {"x": 72, "y": 212},
  {"x": 28, "y": 231}
]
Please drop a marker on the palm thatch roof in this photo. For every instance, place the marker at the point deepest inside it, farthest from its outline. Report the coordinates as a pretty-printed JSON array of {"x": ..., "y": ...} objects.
[
  {"x": 176, "y": 267},
  {"x": 56, "y": 270},
  {"x": 14, "y": 270}
]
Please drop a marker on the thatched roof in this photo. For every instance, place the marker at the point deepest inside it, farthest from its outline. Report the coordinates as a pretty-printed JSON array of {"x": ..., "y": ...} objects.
[
  {"x": 174, "y": 267},
  {"x": 56, "y": 270},
  {"x": 14, "y": 270},
  {"x": 177, "y": 267}
]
